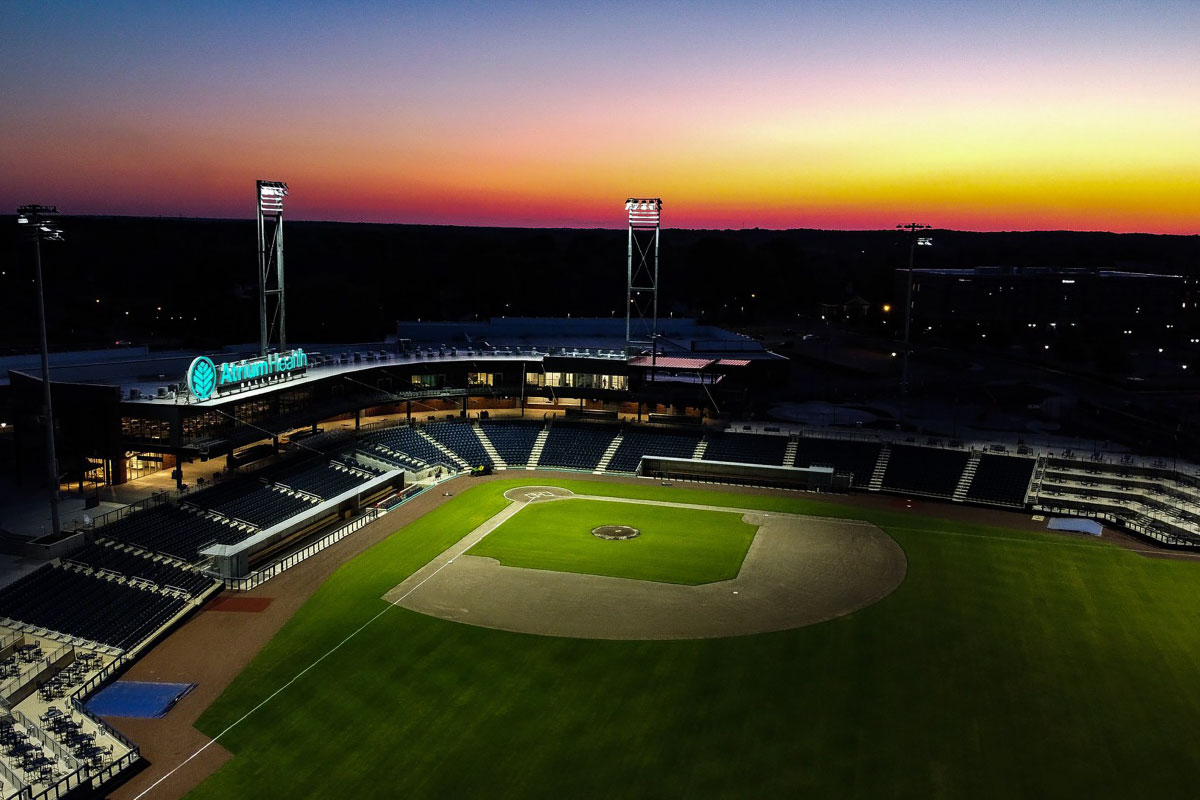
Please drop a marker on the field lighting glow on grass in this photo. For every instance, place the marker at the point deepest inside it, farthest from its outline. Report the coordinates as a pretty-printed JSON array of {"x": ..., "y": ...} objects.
[
  {"x": 1008, "y": 663},
  {"x": 676, "y": 545}
]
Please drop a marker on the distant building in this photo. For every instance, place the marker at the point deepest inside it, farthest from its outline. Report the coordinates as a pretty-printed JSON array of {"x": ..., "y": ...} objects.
[{"x": 1008, "y": 296}]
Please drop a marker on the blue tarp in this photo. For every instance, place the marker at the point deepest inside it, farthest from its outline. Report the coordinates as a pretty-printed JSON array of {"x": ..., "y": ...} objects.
[
  {"x": 138, "y": 699},
  {"x": 1075, "y": 524}
]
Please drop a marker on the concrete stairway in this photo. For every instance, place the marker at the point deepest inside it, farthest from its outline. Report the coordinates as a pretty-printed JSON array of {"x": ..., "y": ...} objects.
[
  {"x": 789, "y": 455},
  {"x": 964, "y": 482},
  {"x": 885, "y": 455},
  {"x": 535, "y": 455},
  {"x": 608, "y": 454},
  {"x": 498, "y": 463},
  {"x": 701, "y": 446},
  {"x": 454, "y": 459}
]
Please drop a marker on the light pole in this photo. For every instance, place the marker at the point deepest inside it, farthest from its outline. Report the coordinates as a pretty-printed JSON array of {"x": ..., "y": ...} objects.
[
  {"x": 39, "y": 226},
  {"x": 912, "y": 228}
]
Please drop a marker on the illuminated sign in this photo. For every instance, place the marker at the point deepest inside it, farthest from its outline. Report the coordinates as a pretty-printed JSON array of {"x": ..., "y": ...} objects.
[{"x": 204, "y": 378}]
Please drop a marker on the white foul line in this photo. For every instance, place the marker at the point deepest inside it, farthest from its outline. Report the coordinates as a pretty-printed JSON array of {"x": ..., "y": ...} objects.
[{"x": 297, "y": 677}]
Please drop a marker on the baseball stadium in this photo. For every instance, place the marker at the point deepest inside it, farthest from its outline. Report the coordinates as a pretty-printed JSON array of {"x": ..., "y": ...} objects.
[{"x": 533, "y": 557}]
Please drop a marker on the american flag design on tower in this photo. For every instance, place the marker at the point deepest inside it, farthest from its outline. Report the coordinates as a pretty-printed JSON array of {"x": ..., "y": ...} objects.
[{"x": 643, "y": 212}]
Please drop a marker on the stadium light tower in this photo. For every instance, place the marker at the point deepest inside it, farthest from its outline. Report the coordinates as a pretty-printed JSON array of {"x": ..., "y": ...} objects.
[
  {"x": 914, "y": 241},
  {"x": 641, "y": 275},
  {"x": 270, "y": 196},
  {"x": 39, "y": 224}
]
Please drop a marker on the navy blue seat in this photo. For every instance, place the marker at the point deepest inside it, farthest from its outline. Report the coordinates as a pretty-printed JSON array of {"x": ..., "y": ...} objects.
[{"x": 638, "y": 442}]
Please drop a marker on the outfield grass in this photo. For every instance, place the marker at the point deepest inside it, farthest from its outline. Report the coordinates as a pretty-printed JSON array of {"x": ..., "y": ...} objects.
[
  {"x": 1007, "y": 664},
  {"x": 676, "y": 545}
]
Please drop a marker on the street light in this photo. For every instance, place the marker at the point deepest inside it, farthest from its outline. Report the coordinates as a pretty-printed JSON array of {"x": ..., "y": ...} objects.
[
  {"x": 39, "y": 224},
  {"x": 914, "y": 240}
]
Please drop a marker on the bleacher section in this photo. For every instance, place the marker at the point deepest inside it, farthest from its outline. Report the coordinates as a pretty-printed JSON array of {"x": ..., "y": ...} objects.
[
  {"x": 406, "y": 441},
  {"x": 924, "y": 470},
  {"x": 1153, "y": 502},
  {"x": 639, "y": 442},
  {"x": 576, "y": 446},
  {"x": 175, "y": 531},
  {"x": 131, "y": 563},
  {"x": 854, "y": 457},
  {"x": 262, "y": 507},
  {"x": 512, "y": 440},
  {"x": 1001, "y": 479},
  {"x": 88, "y": 606},
  {"x": 326, "y": 479},
  {"x": 461, "y": 439},
  {"x": 746, "y": 448}
]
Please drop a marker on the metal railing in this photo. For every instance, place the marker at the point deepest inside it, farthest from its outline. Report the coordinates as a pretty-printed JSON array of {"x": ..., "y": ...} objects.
[
  {"x": 63, "y": 786},
  {"x": 263, "y": 575},
  {"x": 12, "y": 779},
  {"x": 31, "y": 673},
  {"x": 99, "y": 521},
  {"x": 49, "y": 741},
  {"x": 1124, "y": 522}
]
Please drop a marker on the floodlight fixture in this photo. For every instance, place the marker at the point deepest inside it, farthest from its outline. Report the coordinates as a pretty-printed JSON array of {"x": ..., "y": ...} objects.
[
  {"x": 644, "y": 212},
  {"x": 270, "y": 196}
]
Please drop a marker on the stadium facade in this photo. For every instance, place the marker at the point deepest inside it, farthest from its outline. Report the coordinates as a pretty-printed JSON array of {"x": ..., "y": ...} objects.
[{"x": 122, "y": 413}]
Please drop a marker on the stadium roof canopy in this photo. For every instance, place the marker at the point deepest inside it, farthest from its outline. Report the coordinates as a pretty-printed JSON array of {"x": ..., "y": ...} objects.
[{"x": 676, "y": 335}]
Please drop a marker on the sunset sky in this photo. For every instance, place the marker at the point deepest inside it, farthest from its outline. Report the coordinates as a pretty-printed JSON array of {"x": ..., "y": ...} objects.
[{"x": 980, "y": 116}]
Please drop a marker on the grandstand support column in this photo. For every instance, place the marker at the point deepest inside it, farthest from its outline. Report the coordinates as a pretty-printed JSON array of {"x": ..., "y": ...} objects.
[
  {"x": 357, "y": 419},
  {"x": 463, "y": 414},
  {"x": 408, "y": 412},
  {"x": 272, "y": 316},
  {"x": 641, "y": 274}
]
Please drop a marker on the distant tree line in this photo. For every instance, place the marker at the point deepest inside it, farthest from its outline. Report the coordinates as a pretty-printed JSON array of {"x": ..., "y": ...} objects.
[{"x": 192, "y": 282}]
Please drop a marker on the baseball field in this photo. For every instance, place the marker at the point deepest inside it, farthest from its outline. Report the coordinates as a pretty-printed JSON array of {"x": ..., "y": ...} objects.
[{"x": 992, "y": 662}]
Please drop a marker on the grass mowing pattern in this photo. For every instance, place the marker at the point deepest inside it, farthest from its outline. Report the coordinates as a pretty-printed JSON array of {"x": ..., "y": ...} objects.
[
  {"x": 677, "y": 545},
  {"x": 1007, "y": 664}
]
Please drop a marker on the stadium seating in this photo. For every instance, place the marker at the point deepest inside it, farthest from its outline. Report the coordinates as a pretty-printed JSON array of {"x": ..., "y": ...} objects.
[
  {"x": 323, "y": 479},
  {"x": 512, "y": 440},
  {"x": 134, "y": 564},
  {"x": 924, "y": 470},
  {"x": 1001, "y": 479},
  {"x": 576, "y": 446},
  {"x": 228, "y": 490},
  {"x": 746, "y": 448},
  {"x": 264, "y": 507},
  {"x": 88, "y": 606},
  {"x": 858, "y": 458},
  {"x": 174, "y": 530},
  {"x": 407, "y": 441},
  {"x": 401, "y": 461},
  {"x": 461, "y": 439},
  {"x": 639, "y": 442}
]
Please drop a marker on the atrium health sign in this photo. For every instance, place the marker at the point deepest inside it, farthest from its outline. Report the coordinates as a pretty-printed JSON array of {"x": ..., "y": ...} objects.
[{"x": 204, "y": 378}]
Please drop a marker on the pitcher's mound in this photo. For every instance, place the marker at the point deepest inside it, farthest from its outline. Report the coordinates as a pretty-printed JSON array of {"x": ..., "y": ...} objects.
[{"x": 615, "y": 533}]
